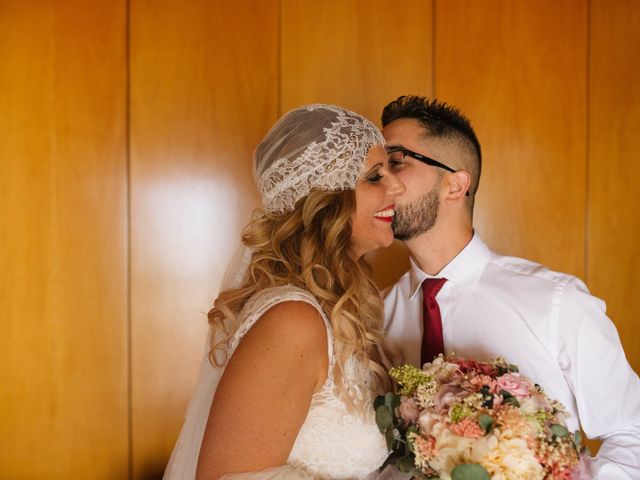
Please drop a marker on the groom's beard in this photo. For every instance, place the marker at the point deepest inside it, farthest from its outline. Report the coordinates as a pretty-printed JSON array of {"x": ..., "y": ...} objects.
[{"x": 417, "y": 217}]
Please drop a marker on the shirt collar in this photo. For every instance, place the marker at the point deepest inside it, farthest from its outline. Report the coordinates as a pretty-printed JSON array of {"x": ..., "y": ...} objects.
[{"x": 465, "y": 268}]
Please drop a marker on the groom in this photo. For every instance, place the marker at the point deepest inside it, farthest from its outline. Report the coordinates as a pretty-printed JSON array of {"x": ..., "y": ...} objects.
[{"x": 477, "y": 303}]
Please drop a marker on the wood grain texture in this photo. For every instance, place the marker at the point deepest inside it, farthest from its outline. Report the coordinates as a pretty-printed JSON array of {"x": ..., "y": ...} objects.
[
  {"x": 518, "y": 70},
  {"x": 358, "y": 54},
  {"x": 203, "y": 94},
  {"x": 614, "y": 167},
  {"x": 63, "y": 400}
]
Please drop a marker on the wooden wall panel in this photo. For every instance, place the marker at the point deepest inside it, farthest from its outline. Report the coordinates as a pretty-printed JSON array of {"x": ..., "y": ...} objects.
[
  {"x": 203, "y": 94},
  {"x": 614, "y": 173},
  {"x": 518, "y": 70},
  {"x": 358, "y": 54},
  {"x": 63, "y": 399}
]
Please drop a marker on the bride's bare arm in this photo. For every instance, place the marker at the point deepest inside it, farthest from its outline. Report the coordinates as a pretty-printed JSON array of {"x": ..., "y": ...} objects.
[{"x": 264, "y": 394}]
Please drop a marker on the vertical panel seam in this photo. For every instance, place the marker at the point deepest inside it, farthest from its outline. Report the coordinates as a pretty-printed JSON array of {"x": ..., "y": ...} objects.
[
  {"x": 433, "y": 48},
  {"x": 587, "y": 186},
  {"x": 128, "y": 240},
  {"x": 279, "y": 61}
]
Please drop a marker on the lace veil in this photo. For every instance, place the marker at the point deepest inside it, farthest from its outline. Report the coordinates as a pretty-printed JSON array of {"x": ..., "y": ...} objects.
[{"x": 314, "y": 146}]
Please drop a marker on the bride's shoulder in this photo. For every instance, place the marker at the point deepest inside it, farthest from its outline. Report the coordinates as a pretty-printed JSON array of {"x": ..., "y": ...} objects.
[
  {"x": 285, "y": 307},
  {"x": 290, "y": 331},
  {"x": 284, "y": 292},
  {"x": 295, "y": 323},
  {"x": 266, "y": 299}
]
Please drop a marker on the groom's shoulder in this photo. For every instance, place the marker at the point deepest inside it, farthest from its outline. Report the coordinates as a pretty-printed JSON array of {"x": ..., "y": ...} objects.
[
  {"x": 523, "y": 270},
  {"x": 522, "y": 278}
]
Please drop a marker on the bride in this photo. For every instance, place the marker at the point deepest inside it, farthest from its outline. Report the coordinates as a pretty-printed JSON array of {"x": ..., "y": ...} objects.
[{"x": 295, "y": 353}]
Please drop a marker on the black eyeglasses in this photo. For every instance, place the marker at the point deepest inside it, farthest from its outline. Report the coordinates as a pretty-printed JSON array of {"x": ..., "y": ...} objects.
[{"x": 421, "y": 158}]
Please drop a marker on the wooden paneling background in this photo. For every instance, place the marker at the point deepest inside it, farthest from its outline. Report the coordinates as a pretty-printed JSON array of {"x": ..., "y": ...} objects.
[
  {"x": 63, "y": 249},
  {"x": 125, "y": 177},
  {"x": 521, "y": 77},
  {"x": 613, "y": 230},
  {"x": 203, "y": 92}
]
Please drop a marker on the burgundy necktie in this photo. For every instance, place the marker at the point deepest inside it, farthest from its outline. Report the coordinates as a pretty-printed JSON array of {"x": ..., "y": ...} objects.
[{"x": 432, "y": 342}]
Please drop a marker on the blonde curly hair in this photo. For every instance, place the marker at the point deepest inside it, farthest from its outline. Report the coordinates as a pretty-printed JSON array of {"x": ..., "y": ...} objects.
[{"x": 310, "y": 247}]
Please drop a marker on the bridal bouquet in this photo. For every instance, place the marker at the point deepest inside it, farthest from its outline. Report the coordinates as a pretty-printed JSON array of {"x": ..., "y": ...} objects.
[{"x": 459, "y": 419}]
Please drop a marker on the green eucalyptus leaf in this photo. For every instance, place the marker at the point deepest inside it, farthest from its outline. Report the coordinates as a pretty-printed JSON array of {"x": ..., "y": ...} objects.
[
  {"x": 577, "y": 438},
  {"x": 390, "y": 438},
  {"x": 378, "y": 401},
  {"x": 559, "y": 431},
  {"x": 470, "y": 471},
  {"x": 509, "y": 399},
  {"x": 513, "y": 401},
  {"x": 392, "y": 400},
  {"x": 485, "y": 421},
  {"x": 384, "y": 419}
]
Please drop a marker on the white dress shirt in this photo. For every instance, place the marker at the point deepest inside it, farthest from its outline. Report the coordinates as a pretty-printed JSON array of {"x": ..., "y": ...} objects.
[{"x": 545, "y": 322}]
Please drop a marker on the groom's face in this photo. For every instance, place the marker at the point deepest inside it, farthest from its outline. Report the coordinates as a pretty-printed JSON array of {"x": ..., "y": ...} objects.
[{"x": 417, "y": 209}]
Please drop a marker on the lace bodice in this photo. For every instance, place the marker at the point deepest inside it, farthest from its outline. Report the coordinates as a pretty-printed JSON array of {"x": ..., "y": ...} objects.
[{"x": 332, "y": 443}]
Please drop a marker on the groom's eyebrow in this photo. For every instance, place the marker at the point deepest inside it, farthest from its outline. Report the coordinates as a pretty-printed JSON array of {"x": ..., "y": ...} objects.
[{"x": 388, "y": 147}]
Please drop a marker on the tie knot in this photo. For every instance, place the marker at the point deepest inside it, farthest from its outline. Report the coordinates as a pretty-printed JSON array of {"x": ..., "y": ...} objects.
[{"x": 431, "y": 286}]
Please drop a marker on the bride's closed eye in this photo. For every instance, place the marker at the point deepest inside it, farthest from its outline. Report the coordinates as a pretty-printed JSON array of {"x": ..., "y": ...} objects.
[{"x": 375, "y": 178}]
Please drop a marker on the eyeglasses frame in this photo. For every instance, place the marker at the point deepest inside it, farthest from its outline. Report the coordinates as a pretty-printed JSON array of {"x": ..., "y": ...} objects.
[{"x": 422, "y": 158}]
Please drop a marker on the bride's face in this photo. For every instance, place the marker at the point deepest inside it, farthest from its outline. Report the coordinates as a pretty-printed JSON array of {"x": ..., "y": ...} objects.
[{"x": 376, "y": 194}]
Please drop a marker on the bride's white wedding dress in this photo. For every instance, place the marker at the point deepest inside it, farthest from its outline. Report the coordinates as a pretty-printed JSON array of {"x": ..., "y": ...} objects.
[{"x": 332, "y": 442}]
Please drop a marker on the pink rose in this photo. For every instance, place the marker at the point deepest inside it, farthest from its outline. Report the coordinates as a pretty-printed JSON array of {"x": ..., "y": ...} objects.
[
  {"x": 409, "y": 410},
  {"x": 452, "y": 392},
  {"x": 514, "y": 384},
  {"x": 583, "y": 470}
]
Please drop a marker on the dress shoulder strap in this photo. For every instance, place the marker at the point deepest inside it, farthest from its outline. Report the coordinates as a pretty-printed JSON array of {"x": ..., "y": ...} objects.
[{"x": 266, "y": 299}]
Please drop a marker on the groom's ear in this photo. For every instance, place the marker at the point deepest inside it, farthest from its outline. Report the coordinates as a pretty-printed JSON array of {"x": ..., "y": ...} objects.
[{"x": 458, "y": 185}]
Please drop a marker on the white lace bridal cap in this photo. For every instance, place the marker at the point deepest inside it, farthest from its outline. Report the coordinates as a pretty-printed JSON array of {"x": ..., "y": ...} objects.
[{"x": 312, "y": 147}]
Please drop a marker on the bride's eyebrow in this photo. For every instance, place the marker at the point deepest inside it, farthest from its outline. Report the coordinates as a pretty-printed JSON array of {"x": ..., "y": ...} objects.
[{"x": 376, "y": 166}]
